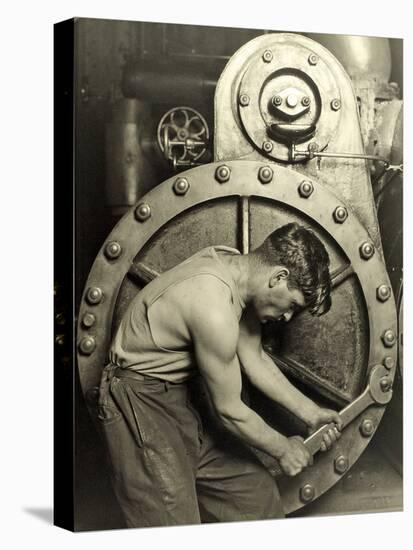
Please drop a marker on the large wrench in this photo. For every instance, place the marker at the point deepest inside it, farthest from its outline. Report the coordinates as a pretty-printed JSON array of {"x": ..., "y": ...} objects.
[{"x": 377, "y": 392}]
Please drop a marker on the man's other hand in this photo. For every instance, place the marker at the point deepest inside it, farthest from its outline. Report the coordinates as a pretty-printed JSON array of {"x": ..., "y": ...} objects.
[
  {"x": 295, "y": 457},
  {"x": 322, "y": 417}
]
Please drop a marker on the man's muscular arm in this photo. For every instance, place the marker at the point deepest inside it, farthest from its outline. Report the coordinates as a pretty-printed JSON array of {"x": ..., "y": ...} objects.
[
  {"x": 267, "y": 377},
  {"x": 215, "y": 331}
]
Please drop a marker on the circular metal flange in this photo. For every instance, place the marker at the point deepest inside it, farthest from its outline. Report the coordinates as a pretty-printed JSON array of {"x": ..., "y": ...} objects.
[
  {"x": 205, "y": 189},
  {"x": 312, "y": 98}
]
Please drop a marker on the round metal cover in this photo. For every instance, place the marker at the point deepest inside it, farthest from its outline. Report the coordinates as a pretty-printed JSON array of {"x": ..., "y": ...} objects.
[{"x": 329, "y": 357}]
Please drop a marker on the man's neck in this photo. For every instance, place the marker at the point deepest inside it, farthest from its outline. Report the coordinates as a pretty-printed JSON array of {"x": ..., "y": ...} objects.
[{"x": 239, "y": 268}]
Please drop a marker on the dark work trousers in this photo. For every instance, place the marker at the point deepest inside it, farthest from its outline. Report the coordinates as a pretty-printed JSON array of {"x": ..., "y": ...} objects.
[{"x": 169, "y": 466}]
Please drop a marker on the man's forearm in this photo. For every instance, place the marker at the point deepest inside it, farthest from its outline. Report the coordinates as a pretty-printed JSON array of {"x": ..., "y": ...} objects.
[
  {"x": 268, "y": 378},
  {"x": 251, "y": 428}
]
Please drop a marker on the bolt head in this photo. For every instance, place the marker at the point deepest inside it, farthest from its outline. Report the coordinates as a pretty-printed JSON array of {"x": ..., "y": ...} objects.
[
  {"x": 222, "y": 173},
  {"x": 366, "y": 250},
  {"x": 60, "y": 339},
  {"x": 267, "y": 56},
  {"x": 94, "y": 295},
  {"x": 292, "y": 101},
  {"x": 340, "y": 214},
  {"x": 313, "y": 59},
  {"x": 276, "y": 100},
  {"x": 143, "y": 212},
  {"x": 181, "y": 186},
  {"x": 267, "y": 146},
  {"x": 88, "y": 320},
  {"x": 265, "y": 174},
  {"x": 87, "y": 345},
  {"x": 385, "y": 384},
  {"x": 341, "y": 464},
  {"x": 389, "y": 338},
  {"x": 244, "y": 100},
  {"x": 113, "y": 250},
  {"x": 305, "y": 189},
  {"x": 383, "y": 293},
  {"x": 335, "y": 104},
  {"x": 367, "y": 427},
  {"x": 307, "y": 492},
  {"x": 305, "y": 102},
  {"x": 389, "y": 362}
]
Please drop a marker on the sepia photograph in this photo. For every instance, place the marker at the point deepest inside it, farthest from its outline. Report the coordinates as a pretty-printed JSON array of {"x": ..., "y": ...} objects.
[{"x": 229, "y": 338}]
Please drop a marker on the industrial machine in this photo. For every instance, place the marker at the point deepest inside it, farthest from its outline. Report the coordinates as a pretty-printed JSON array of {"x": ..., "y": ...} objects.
[{"x": 301, "y": 129}]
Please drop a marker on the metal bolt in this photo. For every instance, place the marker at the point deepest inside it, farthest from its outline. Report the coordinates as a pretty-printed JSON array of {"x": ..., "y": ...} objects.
[
  {"x": 292, "y": 100},
  {"x": 267, "y": 56},
  {"x": 276, "y": 100},
  {"x": 265, "y": 174},
  {"x": 335, "y": 104},
  {"x": 305, "y": 102},
  {"x": 88, "y": 320},
  {"x": 340, "y": 214},
  {"x": 389, "y": 362},
  {"x": 313, "y": 59},
  {"x": 94, "y": 295},
  {"x": 87, "y": 345},
  {"x": 385, "y": 384},
  {"x": 383, "y": 293},
  {"x": 305, "y": 189},
  {"x": 366, "y": 250},
  {"x": 143, "y": 212},
  {"x": 367, "y": 427},
  {"x": 60, "y": 319},
  {"x": 389, "y": 338},
  {"x": 113, "y": 250},
  {"x": 222, "y": 173},
  {"x": 244, "y": 100},
  {"x": 267, "y": 146},
  {"x": 181, "y": 186},
  {"x": 341, "y": 464},
  {"x": 307, "y": 492}
]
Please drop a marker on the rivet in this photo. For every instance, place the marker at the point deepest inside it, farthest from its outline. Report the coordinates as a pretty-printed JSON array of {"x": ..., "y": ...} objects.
[
  {"x": 305, "y": 102},
  {"x": 92, "y": 395},
  {"x": 276, "y": 100},
  {"x": 366, "y": 250},
  {"x": 87, "y": 345},
  {"x": 267, "y": 146},
  {"x": 94, "y": 295},
  {"x": 388, "y": 362},
  {"x": 385, "y": 384},
  {"x": 88, "y": 320},
  {"x": 181, "y": 186},
  {"x": 367, "y": 427},
  {"x": 265, "y": 174},
  {"x": 143, "y": 212},
  {"x": 307, "y": 492},
  {"x": 222, "y": 173},
  {"x": 60, "y": 319},
  {"x": 341, "y": 464},
  {"x": 305, "y": 189},
  {"x": 113, "y": 250},
  {"x": 267, "y": 56},
  {"x": 340, "y": 214},
  {"x": 389, "y": 338},
  {"x": 335, "y": 104},
  {"x": 383, "y": 293},
  {"x": 244, "y": 100},
  {"x": 60, "y": 339},
  {"x": 313, "y": 59}
]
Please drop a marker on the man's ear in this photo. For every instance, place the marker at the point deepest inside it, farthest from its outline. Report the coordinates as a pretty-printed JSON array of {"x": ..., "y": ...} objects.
[{"x": 279, "y": 274}]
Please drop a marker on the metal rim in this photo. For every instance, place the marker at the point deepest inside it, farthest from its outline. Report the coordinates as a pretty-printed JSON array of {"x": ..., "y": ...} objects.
[{"x": 132, "y": 234}]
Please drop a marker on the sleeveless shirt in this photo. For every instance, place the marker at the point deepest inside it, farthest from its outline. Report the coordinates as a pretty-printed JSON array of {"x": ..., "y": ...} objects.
[{"x": 134, "y": 346}]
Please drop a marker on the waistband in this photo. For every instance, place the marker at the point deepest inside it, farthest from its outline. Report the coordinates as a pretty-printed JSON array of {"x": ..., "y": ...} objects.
[{"x": 110, "y": 371}]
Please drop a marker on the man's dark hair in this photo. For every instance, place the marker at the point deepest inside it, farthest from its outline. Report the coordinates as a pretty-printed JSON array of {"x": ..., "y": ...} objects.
[{"x": 301, "y": 251}]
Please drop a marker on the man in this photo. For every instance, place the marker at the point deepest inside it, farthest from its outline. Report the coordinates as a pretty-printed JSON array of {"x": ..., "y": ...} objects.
[{"x": 177, "y": 431}]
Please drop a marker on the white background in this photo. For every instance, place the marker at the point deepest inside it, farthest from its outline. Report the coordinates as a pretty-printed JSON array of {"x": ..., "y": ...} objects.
[{"x": 26, "y": 273}]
